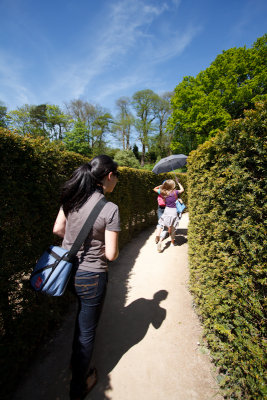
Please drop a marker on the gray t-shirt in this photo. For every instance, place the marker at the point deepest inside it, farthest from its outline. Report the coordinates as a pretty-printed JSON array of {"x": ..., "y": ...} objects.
[{"x": 91, "y": 257}]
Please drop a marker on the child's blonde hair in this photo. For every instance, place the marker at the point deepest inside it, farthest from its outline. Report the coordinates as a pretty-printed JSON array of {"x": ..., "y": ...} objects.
[{"x": 167, "y": 187}]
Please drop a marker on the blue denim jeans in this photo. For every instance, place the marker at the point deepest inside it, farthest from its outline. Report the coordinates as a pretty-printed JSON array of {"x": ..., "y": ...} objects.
[
  {"x": 160, "y": 211},
  {"x": 90, "y": 288},
  {"x": 164, "y": 232}
]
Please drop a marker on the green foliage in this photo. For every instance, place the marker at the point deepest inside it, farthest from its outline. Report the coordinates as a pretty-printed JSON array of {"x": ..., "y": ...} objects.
[
  {"x": 87, "y": 128},
  {"x": 3, "y": 115},
  {"x": 126, "y": 158},
  {"x": 78, "y": 139},
  {"x": 205, "y": 104},
  {"x": 57, "y": 122},
  {"x": 163, "y": 138},
  {"x": 227, "y": 242},
  {"x": 32, "y": 172},
  {"x": 38, "y": 119},
  {"x": 136, "y": 152},
  {"x": 43, "y": 120},
  {"x": 123, "y": 123},
  {"x": 20, "y": 120},
  {"x": 94, "y": 120},
  {"x": 145, "y": 104}
]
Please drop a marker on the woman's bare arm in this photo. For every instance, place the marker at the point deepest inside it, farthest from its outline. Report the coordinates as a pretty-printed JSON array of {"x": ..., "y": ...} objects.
[
  {"x": 181, "y": 189},
  {"x": 60, "y": 224},
  {"x": 111, "y": 245}
]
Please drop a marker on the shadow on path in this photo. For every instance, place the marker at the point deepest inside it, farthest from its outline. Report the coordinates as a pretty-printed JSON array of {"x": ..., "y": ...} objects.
[
  {"x": 180, "y": 239},
  {"x": 121, "y": 329}
]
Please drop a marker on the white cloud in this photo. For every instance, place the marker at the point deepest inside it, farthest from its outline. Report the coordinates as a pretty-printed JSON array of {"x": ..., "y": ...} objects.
[
  {"x": 12, "y": 90},
  {"x": 125, "y": 83},
  {"x": 176, "y": 2},
  {"x": 249, "y": 11},
  {"x": 119, "y": 37},
  {"x": 122, "y": 54},
  {"x": 174, "y": 45}
]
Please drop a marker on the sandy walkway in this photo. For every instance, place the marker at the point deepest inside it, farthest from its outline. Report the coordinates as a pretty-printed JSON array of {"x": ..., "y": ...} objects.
[{"x": 147, "y": 340}]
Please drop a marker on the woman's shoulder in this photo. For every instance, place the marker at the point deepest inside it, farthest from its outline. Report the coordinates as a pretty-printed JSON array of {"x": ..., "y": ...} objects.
[{"x": 111, "y": 206}]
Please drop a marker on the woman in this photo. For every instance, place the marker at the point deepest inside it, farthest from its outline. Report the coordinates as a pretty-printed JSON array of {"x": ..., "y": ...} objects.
[
  {"x": 87, "y": 186},
  {"x": 169, "y": 218}
]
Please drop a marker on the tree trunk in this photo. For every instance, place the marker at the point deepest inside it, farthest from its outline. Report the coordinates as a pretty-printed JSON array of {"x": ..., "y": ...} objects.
[{"x": 143, "y": 155}]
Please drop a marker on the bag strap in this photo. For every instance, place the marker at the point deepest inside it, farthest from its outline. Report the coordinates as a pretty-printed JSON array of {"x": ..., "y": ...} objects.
[
  {"x": 175, "y": 194},
  {"x": 86, "y": 228}
]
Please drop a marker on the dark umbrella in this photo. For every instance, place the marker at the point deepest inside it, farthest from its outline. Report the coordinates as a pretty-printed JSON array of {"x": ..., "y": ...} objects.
[{"x": 170, "y": 163}]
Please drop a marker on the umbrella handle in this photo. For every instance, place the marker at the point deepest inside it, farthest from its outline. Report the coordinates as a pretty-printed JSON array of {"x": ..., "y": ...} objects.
[{"x": 175, "y": 177}]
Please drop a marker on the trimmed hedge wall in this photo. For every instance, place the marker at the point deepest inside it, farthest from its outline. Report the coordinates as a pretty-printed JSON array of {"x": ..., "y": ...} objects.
[
  {"x": 227, "y": 250},
  {"x": 32, "y": 172}
]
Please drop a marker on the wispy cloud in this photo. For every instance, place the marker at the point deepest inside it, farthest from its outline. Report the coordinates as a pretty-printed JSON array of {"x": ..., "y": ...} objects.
[
  {"x": 11, "y": 80},
  {"x": 249, "y": 11},
  {"x": 125, "y": 48},
  {"x": 125, "y": 35},
  {"x": 121, "y": 85},
  {"x": 174, "y": 45}
]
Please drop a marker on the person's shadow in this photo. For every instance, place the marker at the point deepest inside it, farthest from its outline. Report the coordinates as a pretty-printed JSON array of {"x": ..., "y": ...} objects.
[{"x": 120, "y": 330}]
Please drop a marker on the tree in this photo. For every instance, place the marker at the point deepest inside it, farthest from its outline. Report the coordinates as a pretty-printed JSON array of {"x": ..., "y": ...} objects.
[
  {"x": 196, "y": 116},
  {"x": 126, "y": 158},
  {"x": 100, "y": 127},
  {"x": 57, "y": 122},
  {"x": 145, "y": 104},
  {"x": 20, "y": 120},
  {"x": 163, "y": 111},
  {"x": 3, "y": 115},
  {"x": 96, "y": 119},
  {"x": 205, "y": 104},
  {"x": 77, "y": 139},
  {"x": 136, "y": 152},
  {"x": 43, "y": 120},
  {"x": 81, "y": 110},
  {"x": 38, "y": 119},
  {"x": 123, "y": 122}
]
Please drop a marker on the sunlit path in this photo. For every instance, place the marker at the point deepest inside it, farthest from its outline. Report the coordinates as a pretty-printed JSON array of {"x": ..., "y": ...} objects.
[{"x": 147, "y": 343}]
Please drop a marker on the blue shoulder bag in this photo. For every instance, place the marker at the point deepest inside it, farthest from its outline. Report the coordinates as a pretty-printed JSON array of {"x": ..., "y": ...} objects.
[
  {"x": 179, "y": 206},
  {"x": 53, "y": 269}
]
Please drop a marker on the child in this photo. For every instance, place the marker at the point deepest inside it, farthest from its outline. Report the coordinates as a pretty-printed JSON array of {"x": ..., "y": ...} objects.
[{"x": 169, "y": 218}]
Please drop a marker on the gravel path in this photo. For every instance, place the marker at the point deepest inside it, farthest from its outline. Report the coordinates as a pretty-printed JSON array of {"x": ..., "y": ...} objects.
[{"x": 148, "y": 340}]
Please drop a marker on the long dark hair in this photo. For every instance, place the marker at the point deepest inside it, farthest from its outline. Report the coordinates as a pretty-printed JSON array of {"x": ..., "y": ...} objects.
[{"x": 84, "y": 181}]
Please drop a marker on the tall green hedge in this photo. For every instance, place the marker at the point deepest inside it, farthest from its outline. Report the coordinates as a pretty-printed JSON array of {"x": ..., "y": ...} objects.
[
  {"x": 227, "y": 250},
  {"x": 31, "y": 174}
]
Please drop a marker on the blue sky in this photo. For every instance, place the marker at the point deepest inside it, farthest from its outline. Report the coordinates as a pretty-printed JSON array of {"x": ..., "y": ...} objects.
[{"x": 99, "y": 50}]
